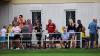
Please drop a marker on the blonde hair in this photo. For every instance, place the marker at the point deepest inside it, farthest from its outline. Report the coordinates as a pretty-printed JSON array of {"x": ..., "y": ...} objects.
[{"x": 71, "y": 21}]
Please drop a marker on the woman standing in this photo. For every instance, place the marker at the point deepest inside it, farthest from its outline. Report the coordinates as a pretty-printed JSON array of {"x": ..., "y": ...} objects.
[
  {"x": 16, "y": 29},
  {"x": 72, "y": 30}
]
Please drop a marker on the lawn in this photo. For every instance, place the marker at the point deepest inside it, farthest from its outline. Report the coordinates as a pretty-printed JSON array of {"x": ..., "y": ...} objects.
[{"x": 51, "y": 52}]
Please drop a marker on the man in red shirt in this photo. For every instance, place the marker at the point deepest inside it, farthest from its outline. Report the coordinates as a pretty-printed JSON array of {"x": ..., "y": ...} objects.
[{"x": 51, "y": 27}]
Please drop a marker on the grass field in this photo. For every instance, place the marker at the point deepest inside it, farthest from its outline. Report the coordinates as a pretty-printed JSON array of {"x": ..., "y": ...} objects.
[{"x": 51, "y": 52}]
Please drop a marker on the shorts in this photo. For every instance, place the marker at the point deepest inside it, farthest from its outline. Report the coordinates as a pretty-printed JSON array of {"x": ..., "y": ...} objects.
[
  {"x": 11, "y": 38},
  {"x": 3, "y": 39},
  {"x": 17, "y": 36}
]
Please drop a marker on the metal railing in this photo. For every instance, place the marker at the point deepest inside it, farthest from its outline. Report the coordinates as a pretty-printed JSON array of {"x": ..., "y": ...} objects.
[{"x": 43, "y": 36}]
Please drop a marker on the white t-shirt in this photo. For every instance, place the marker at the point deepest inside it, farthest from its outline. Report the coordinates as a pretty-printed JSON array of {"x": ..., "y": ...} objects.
[
  {"x": 16, "y": 29},
  {"x": 3, "y": 32}
]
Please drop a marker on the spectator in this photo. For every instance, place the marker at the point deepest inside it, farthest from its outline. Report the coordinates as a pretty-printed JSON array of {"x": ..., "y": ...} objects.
[
  {"x": 58, "y": 38},
  {"x": 30, "y": 25},
  {"x": 62, "y": 29},
  {"x": 38, "y": 29},
  {"x": 21, "y": 21},
  {"x": 93, "y": 32},
  {"x": 78, "y": 29},
  {"x": 84, "y": 38},
  {"x": 3, "y": 36},
  {"x": 51, "y": 29},
  {"x": 65, "y": 37},
  {"x": 15, "y": 21},
  {"x": 26, "y": 38},
  {"x": 11, "y": 35},
  {"x": 71, "y": 30},
  {"x": 16, "y": 29}
]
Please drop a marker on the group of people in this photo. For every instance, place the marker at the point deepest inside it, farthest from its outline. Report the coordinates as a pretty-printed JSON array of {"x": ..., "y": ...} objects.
[
  {"x": 73, "y": 35},
  {"x": 69, "y": 34},
  {"x": 69, "y": 37},
  {"x": 13, "y": 30}
]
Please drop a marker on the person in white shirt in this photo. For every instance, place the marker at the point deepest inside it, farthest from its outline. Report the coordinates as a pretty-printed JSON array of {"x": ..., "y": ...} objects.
[
  {"x": 3, "y": 36},
  {"x": 16, "y": 29}
]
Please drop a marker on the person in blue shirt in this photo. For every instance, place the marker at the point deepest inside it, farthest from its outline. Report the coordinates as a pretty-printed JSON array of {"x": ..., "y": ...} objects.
[{"x": 93, "y": 33}]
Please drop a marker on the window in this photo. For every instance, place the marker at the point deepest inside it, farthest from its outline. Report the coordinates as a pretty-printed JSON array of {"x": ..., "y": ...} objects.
[
  {"x": 70, "y": 14},
  {"x": 36, "y": 15}
]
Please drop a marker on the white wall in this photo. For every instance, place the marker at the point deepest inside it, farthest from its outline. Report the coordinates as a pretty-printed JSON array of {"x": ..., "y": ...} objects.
[
  {"x": 56, "y": 12},
  {"x": 4, "y": 15}
]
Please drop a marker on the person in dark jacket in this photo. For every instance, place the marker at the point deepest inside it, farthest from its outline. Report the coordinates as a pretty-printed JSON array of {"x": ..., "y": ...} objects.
[
  {"x": 38, "y": 29},
  {"x": 78, "y": 29},
  {"x": 71, "y": 29},
  {"x": 26, "y": 38}
]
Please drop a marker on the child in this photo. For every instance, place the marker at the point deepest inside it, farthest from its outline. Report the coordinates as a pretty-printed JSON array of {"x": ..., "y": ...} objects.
[
  {"x": 84, "y": 39},
  {"x": 11, "y": 35},
  {"x": 65, "y": 36},
  {"x": 3, "y": 36}
]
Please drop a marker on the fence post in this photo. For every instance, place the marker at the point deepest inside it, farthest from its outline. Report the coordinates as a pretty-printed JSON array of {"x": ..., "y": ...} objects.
[
  {"x": 8, "y": 40},
  {"x": 81, "y": 39}
]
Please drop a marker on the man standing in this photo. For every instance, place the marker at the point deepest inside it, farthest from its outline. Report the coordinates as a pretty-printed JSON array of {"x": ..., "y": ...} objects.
[
  {"x": 21, "y": 21},
  {"x": 79, "y": 29},
  {"x": 93, "y": 33},
  {"x": 51, "y": 27}
]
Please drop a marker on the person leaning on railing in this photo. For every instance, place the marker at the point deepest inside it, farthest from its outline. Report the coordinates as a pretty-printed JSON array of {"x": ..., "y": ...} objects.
[
  {"x": 16, "y": 29},
  {"x": 78, "y": 29},
  {"x": 3, "y": 36},
  {"x": 71, "y": 30},
  {"x": 38, "y": 30},
  {"x": 11, "y": 35},
  {"x": 26, "y": 37},
  {"x": 65, "y": 37},
  {"x": 51, "y": 27}
]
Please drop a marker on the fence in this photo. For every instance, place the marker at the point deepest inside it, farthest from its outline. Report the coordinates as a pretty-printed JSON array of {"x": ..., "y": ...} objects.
[{"x": 44, "y": 38}]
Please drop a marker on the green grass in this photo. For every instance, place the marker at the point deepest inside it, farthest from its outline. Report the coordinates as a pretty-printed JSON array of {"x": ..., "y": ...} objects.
[{"x": 51, "y": 52}]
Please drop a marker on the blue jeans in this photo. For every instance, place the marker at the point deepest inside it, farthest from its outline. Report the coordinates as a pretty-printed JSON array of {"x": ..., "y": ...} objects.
[
  {"x": 93, "y": 37},
  {"x": 3, "y": 38}
]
